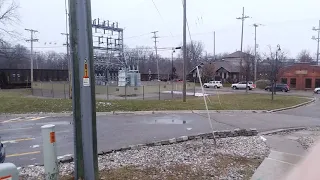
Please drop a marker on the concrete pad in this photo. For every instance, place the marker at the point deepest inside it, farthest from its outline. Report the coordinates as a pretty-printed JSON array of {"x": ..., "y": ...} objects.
[
  {"x": 276, "y": 166},
  {"x": 284, "y": 144}
]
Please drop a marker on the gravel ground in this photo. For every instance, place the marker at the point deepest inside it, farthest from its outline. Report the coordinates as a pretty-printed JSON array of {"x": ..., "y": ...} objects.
[
  {"x": 233, "y": 158},
  {"x": 308, "y": 141}
]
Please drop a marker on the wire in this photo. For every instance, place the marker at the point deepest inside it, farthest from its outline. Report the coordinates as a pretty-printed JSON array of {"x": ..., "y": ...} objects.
[
  {"x": 160, "y": 14},
  {"x": 137, "y": 36},
  {"x": 3, "y": 48},
  {"x": 205, "y": 102}
]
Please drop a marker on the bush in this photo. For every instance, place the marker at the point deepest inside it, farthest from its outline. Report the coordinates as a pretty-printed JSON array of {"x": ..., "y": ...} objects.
[{"x": 261, "y": 84}]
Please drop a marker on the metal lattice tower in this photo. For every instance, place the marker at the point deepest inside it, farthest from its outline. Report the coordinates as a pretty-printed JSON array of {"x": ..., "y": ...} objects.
[{"x": 108, "y": 46}]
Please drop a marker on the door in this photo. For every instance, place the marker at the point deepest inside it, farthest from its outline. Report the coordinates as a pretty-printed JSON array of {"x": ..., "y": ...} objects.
[{"x": 243, "y": 85}]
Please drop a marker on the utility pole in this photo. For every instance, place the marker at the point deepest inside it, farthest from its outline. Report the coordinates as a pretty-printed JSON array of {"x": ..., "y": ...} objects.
[
  {"x": 242, "y": 19},
  {"x": 68, "y": 52},
  {"x": 275, "y": 72},
  {"x": 83, "y": 83},
  {"x": 31, "y": 40},
  {"x": 214, "y": 45},
  {"x": 318, "y": 40},
  {"x": 184, "y": 50},
  {"x": 69, "y": 64},
  {"x": 156, "y": 48},
  {"x": 255, "y": 50},
  {"x": 173, "y": 51}
]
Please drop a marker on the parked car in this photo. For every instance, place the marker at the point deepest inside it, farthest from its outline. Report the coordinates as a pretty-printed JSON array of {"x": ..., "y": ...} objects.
[
  {"x": 279, "y": 87},
  {"x": 214, "y": 84},
  {"x": 2, "y": 153},
  {"x": 243, "y": 85},
  {"x": 317, "y": 90}
]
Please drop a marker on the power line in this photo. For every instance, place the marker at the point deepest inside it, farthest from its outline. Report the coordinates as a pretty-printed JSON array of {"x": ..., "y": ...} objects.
[
  {"x": 159, "y": 14},
  {"x": 137, "y": 36}
]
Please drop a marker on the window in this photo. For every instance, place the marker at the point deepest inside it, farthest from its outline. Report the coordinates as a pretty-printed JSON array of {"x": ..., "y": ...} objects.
[
  {"x": 317, "y": 83},
  {"x": 284, "y": 81},
  {"x": 293, "y": 82},
  {"x": 308, "y": 83}
]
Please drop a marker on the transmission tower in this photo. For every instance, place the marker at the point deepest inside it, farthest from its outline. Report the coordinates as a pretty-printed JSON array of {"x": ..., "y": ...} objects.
[{"x": 108, "y": 48}]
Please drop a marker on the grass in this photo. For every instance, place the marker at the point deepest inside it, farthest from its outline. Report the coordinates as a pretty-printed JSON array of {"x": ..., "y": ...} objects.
[
  {"x": 220, "y": 167},
  {"x": 14, "y": 102}
]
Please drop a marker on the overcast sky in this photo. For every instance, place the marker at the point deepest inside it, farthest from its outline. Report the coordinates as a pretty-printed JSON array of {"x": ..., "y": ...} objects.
[{"x": 285, "y": 22}]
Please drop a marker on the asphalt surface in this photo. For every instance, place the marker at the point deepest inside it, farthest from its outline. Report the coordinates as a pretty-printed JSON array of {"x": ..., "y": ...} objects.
[{"x": 22, "y": 135}]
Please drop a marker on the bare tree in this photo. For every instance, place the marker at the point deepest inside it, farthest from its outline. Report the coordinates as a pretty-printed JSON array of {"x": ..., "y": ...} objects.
[
  {"x": 8, "y": 17},
  {"x": 194, "y": 54},
  {"x": 208, "y": 72},
  {"x": 271, "y": 64},
  {"x": 14, "y": 57},
  {"x": 304, "y": 56},
  {"x": 247, "y": 66}
]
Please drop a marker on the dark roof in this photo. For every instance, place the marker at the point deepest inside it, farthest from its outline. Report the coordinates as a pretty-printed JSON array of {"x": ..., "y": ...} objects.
[
  {"x": 220, "y": 64},
  {"x": 227, "y": 66},
  {"x": 237, "y": 54},
  {"x": 199, "y": 65}
]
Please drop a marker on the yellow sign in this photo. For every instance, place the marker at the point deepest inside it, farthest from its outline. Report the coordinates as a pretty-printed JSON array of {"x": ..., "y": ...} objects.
[{"x": 85, "y": 69}]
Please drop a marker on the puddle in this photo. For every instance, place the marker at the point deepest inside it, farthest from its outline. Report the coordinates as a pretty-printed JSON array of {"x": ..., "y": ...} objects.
[
  {"x": 166, "y": 120},
  {"x": 169, "y": 121},
  {"x": 56, "y": 123}
]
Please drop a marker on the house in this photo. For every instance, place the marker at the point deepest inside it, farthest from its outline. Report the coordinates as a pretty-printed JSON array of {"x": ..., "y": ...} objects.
[
  {"x": 300, "y": 76},
  {"x": 228, "y": 69}
]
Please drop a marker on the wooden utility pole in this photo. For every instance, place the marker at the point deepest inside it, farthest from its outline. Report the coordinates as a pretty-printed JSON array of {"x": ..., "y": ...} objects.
[
  {"x": 84, "y": 103},
  {"x": 184, "y": 94},
  {"x": 31, "y": 40},
  {"x": 242, "y": 18}
]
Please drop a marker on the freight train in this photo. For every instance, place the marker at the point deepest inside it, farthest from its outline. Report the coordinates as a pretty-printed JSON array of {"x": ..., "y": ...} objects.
[{"x": 20, "y": 78}]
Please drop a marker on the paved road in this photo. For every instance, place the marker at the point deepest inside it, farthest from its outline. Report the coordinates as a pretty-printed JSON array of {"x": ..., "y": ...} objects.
[{"x": 22, "y": 135}]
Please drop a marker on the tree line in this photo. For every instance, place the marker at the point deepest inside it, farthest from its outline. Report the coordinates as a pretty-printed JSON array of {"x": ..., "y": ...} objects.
[{"x": 17, "y": 56}]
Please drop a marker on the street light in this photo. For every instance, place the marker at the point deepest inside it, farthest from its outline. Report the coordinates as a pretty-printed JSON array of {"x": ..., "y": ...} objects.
[
  {"x": 275, "y": 71},
  {"x": 173, "y": 51}
]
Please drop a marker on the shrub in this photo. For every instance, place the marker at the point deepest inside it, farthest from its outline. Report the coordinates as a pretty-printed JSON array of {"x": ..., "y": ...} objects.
[{"x": 261, "y": 84}]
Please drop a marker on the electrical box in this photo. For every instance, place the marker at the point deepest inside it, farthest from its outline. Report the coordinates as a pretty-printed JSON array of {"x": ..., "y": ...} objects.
[{"x": 8, "y": 171}]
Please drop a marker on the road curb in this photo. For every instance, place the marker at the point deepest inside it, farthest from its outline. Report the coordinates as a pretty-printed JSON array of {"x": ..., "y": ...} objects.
[
  {"x": 216, "y": 134},
  {"x": 66, "y": 114},
  {"x": 293, "y": 107},
  {"x": 282, "y": 130}
]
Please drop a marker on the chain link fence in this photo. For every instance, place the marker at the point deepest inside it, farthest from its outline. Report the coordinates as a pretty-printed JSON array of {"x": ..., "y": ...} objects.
[{"x": 147, "y": 91}]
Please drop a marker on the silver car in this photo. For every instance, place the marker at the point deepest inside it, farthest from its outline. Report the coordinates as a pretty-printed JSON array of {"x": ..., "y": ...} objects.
[{"x": 2, "y": 153}]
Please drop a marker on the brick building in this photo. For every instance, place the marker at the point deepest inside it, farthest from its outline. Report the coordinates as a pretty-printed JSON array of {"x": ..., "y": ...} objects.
[{"x": 300, "y": 76}]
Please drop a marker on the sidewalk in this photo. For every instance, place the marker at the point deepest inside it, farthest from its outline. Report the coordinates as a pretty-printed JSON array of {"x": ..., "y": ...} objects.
[
  {"x": 276, "y": 166},
  {"x": 285, "y": 153}
]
